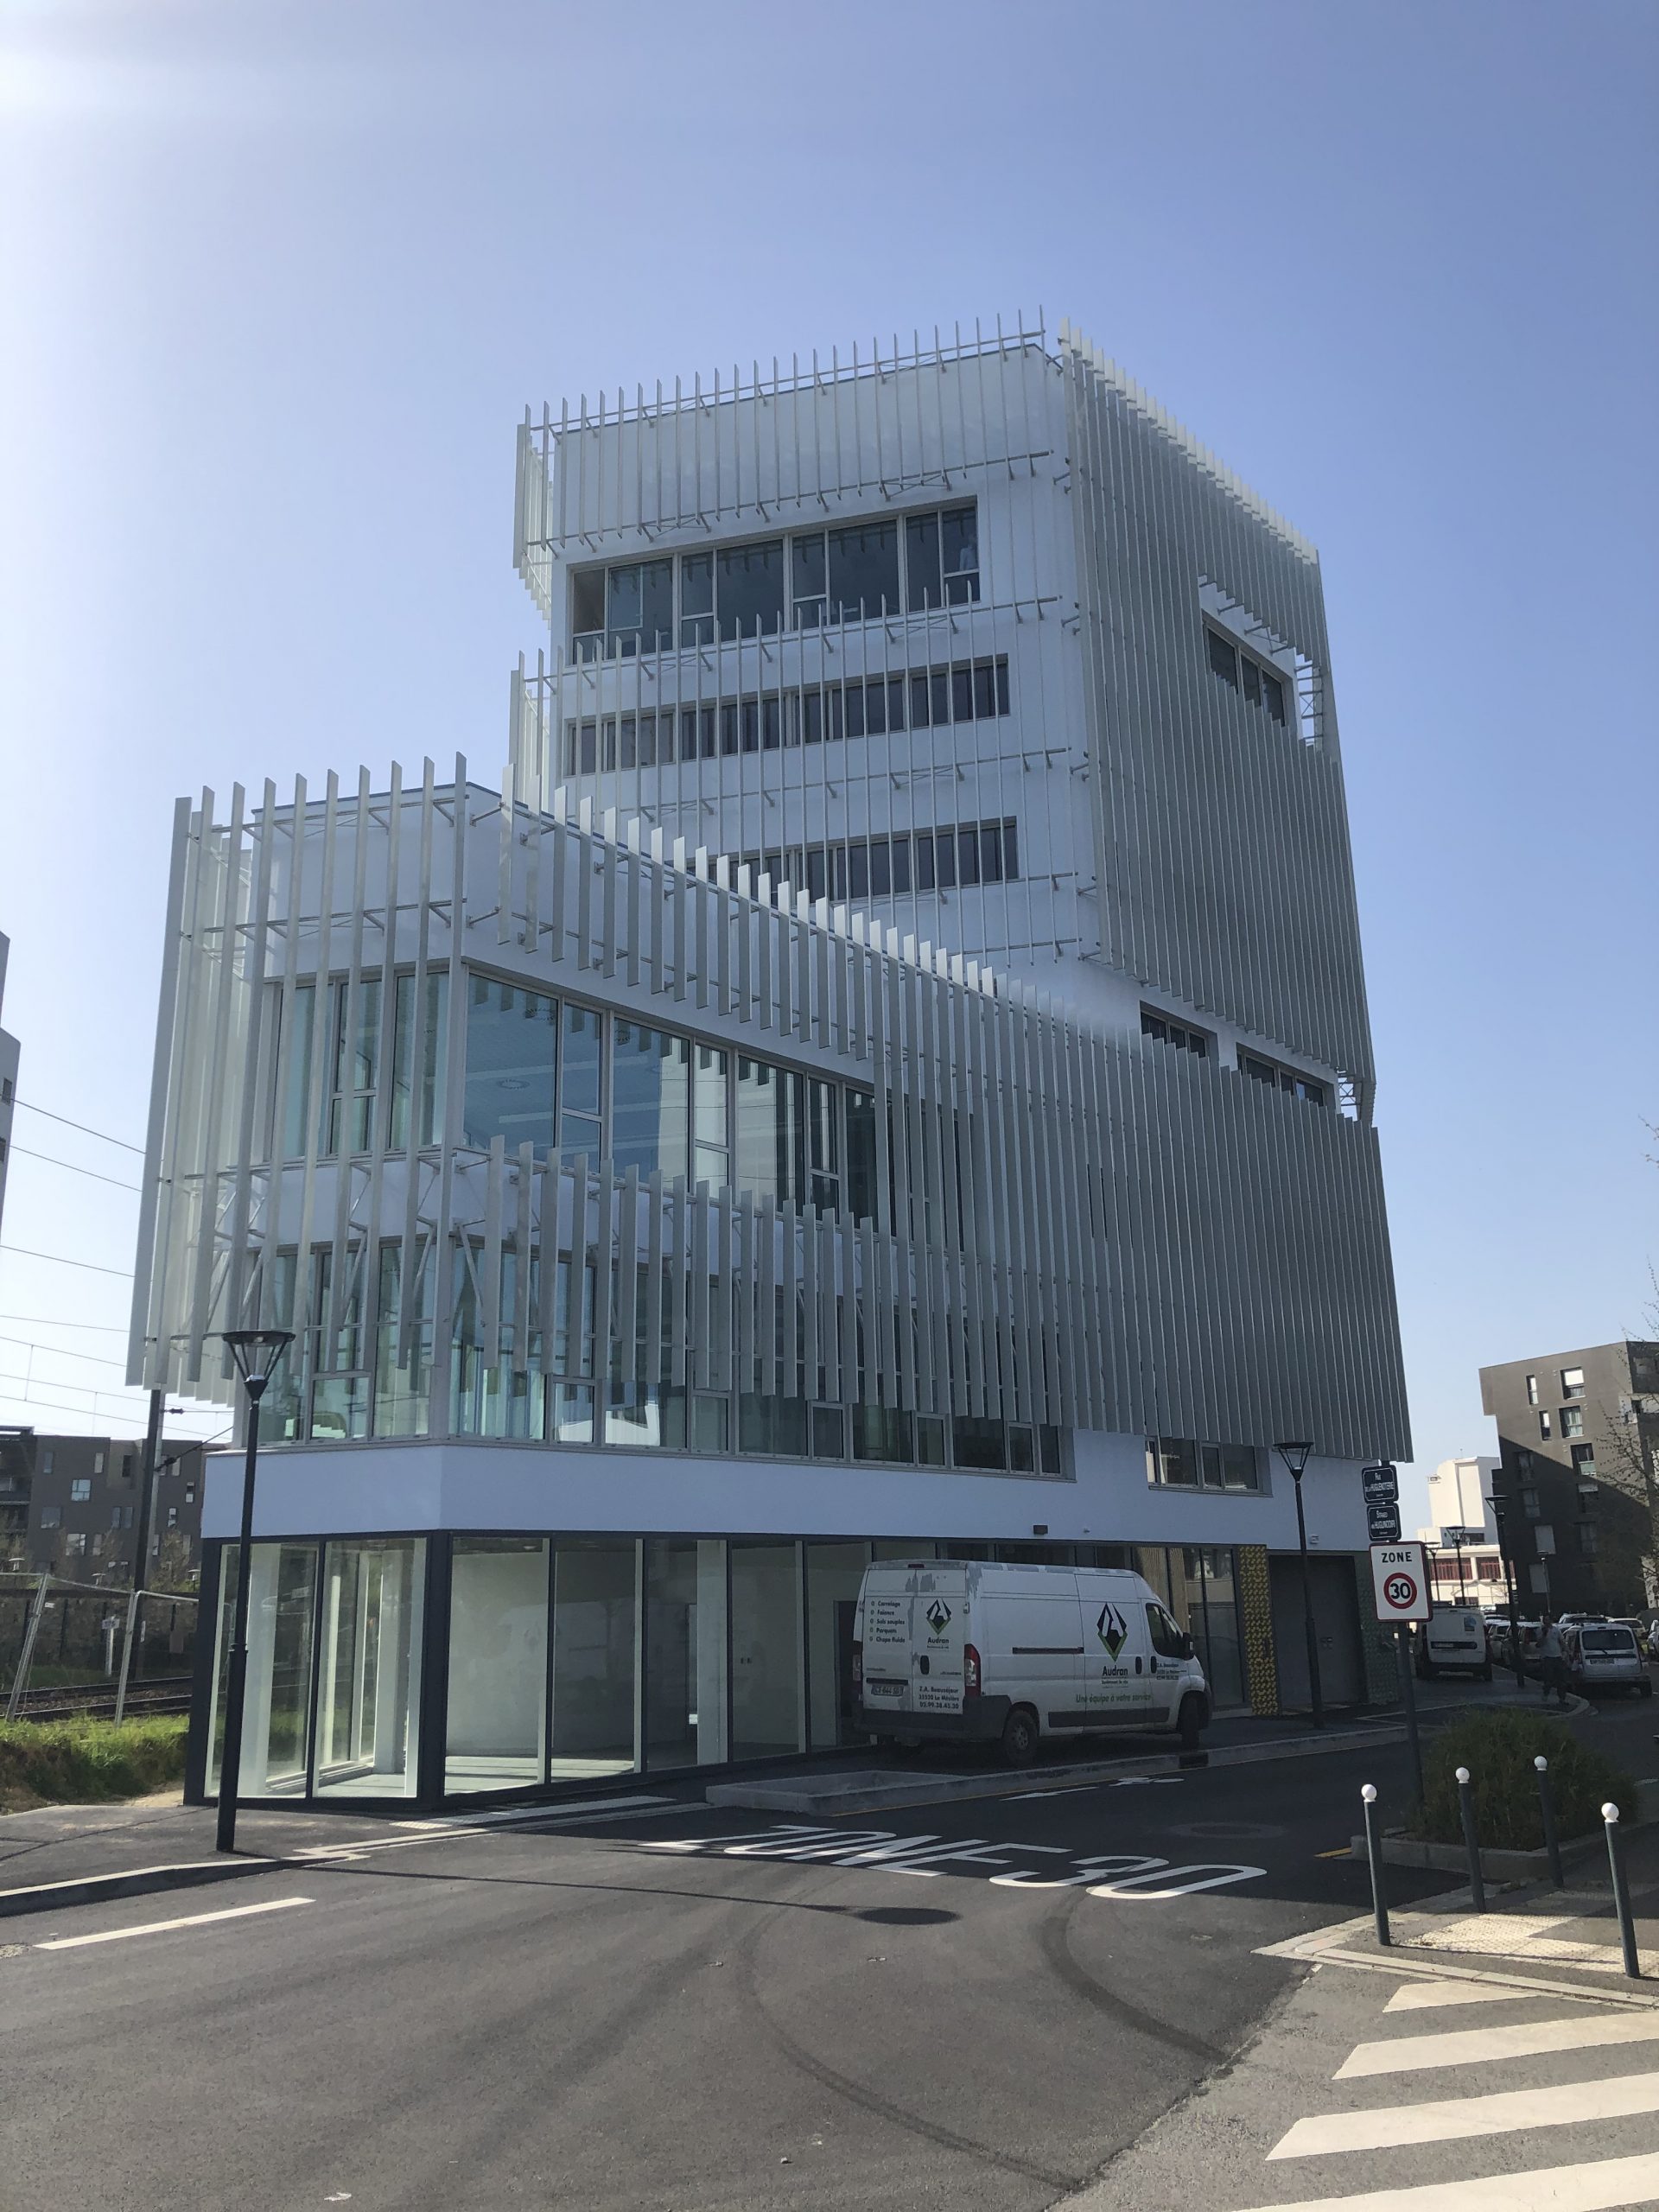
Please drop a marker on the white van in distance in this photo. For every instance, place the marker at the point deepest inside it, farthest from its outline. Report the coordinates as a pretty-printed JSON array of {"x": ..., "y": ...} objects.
[{"x": 960, "y": 1651}]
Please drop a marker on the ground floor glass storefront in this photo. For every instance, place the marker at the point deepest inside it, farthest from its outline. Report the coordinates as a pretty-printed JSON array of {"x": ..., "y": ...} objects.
[{"x": 573, "y": 1659}]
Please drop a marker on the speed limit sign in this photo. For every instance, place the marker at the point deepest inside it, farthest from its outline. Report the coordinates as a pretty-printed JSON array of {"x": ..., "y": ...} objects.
[{"x": 1400, "y": 1580}]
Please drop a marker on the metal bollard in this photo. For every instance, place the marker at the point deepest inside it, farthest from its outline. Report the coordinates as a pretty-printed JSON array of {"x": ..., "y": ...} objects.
[
  {"x": 1466, "y": 1807},
  {"x": 1621, "y": 1894},
  {"x": 1374, "y": 1853},
  {"x": 1547, "y": 1807}
]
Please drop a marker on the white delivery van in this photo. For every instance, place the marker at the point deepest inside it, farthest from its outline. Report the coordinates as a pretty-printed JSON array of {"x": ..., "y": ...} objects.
[
  {"x": 962, "y": 1651},
  {"x": 1454, "y": 1641}
]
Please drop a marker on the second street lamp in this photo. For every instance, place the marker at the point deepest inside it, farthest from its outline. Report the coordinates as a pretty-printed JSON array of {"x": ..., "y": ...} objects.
[
  {"x": 1295, "y": 1457},
  {"x": 1499, "y": 1507},
  {"x": 256, "y": 1352}
]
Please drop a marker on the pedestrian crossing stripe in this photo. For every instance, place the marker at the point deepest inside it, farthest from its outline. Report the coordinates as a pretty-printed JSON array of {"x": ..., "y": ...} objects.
[
  {"x": 1596, "y": 2187},
  {"x": 1477, "y": 2046},
  {"x": 1446, "y": 2119}
]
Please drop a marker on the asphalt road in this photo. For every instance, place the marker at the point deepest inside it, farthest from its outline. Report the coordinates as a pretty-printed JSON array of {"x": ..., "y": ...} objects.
[{"x": 965, "y": 2004}]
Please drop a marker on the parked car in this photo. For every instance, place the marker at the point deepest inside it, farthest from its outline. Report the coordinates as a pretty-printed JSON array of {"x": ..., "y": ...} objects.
[
  {"x": 1604, "y": 1655},
  {"x": 1641, "y": 1629},
  {"x": 963, "y": 1651},
  {"x": 1452, "y": 1641}
]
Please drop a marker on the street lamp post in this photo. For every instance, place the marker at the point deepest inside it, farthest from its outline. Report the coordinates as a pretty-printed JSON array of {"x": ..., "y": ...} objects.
[
  {"x": 1295, "y": 1457},
  {"x": 256, "y": 1352},
  {"x": 1498, "y": 1508}
]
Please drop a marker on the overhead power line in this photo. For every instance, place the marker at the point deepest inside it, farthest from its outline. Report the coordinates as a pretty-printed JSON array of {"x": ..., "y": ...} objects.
[
  {"x": 44, "y": 1321},
  {"x": 102, "y": 1135},
  {"x": 24, "y": 1252},
  {"x": 29, "y": 1153},
  {"x": 62, "y": 1351}
]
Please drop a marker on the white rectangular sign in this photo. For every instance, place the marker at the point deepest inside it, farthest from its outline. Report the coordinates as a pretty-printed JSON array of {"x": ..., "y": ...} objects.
[{"x": 1400, "y": 1582}]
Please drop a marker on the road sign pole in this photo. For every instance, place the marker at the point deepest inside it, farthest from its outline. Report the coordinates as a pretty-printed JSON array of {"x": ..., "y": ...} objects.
[{"x": 1408, "y": 1695}]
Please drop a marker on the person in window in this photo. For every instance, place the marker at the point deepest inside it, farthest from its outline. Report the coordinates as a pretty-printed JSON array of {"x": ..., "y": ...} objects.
[{"x": 1552, "y": 1663}]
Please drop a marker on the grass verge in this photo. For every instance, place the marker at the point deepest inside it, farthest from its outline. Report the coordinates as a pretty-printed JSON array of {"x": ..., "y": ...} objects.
[{"x": 87, "y": 1762}]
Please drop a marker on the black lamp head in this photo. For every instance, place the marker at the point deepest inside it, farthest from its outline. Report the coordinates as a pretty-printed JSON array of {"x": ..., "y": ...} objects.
[
  {"x": 1295, "y": 1457},
  {"x": 256, "y": 1352}
]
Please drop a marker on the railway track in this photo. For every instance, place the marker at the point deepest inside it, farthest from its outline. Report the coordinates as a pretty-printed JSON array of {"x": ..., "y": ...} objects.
[{"x": 96, "y": 1701}]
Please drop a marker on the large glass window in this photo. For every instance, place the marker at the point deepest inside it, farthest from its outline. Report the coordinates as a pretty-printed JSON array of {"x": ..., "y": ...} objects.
[
  {"x": 509, "y": 1397},
  {"x": 594, "y": 1611},
  {"x": 511, "y": 1036},
  {"x": 498, "y": 1662},
  {"x": 835, "y": 1572},
  {"x": 767, "y": 1715},
  {"x": 368, "y": 1708},
  {"x": 864, "y": 572},
  {"x": 297, "y": 1050},
  {"x": 357, "y": 1061},
  {"x": 685, "y": 1652},
  {"x": 580, "y": 1043},
  {"x": 276, "y": 1704},
  {"x": 403, "y": 1385},
  {"x": 751, "y": 588},
  {"x": 651, "y": 1100},
  {"x": 419, "y": 1032}
]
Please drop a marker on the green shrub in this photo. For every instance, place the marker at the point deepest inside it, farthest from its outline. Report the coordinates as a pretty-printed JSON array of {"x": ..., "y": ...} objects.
[
  {"x": 87, "y": 1762},
  {"x": 1498, "y": 1749}
]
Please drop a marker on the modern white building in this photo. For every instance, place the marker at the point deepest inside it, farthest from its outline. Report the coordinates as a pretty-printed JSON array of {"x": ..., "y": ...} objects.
[
  {"x": 1467, "y": 1560},
  {"x": 883, "y": 1070}
]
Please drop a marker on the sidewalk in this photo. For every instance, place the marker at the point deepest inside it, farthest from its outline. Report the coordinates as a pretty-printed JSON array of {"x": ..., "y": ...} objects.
[{"x": 1568, "y": 1938}]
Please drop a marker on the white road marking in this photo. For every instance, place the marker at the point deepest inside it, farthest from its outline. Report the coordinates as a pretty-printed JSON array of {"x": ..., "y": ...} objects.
[
  {"x": 1448, "y": 2118},
  {"x": 1594, "y": 2188},
  {"x": 162, "y": 1927},
  {"x": 1070, "y": 1789},
  {"x": 1473, "y": 2046},
  {"x": 1418, "y": 1996}
]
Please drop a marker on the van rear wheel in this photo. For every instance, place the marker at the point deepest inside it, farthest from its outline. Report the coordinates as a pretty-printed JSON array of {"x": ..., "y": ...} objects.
[{"x": 1021, "y": 1736}]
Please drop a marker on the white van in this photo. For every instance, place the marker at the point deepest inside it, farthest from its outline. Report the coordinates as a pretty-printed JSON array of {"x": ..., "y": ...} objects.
[
  {"x": 962, "y": 1651},
  {"x": 1454, "y": 1641}
]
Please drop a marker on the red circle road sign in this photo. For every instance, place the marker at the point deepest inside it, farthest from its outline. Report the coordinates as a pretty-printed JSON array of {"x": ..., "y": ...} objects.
[{"x": 1401, "y": 1592}]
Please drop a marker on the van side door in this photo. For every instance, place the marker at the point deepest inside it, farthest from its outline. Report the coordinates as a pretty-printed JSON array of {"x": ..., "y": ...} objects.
[{"x": 1036, "y": 1639}]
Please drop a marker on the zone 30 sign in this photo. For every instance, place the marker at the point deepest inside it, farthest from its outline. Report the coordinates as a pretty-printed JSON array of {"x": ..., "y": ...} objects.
[{"x": 1400, "y": 1580}]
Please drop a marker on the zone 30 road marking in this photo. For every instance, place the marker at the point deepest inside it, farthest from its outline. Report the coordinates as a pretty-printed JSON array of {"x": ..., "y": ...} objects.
[{"x": 1124, "y": 1878}]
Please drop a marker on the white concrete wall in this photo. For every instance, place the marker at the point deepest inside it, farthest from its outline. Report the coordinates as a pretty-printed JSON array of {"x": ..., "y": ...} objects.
[{"x": 350, "y": 1488}]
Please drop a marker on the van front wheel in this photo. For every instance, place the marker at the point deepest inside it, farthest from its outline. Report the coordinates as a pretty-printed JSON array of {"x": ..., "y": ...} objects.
[
  {"x": 1021, "y": 1736},
  {"x": 1189, "y": 1724}
]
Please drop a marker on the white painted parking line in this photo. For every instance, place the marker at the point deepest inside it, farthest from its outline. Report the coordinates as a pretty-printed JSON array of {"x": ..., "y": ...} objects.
[
  {"x": 1476, "y": 2046},
  {"x": 1596, "y": 2187},
  {"x": 163, "y": 1927},
  {"x": 1446, "y": 2119}
]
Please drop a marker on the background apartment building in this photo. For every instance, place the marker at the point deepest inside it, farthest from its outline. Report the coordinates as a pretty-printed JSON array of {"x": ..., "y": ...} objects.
[
  {"x": 885, "y": 1069},
  {"x": 1577, "y": 1432},
  {"x": 85, "y": 1509}
]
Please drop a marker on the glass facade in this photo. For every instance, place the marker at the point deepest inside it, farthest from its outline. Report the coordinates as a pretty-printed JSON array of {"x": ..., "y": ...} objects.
[
  {"x": 578, "y": 1659},
  {"x": 369, "y": 1663},
  {"x": 497, "y": 1710}
]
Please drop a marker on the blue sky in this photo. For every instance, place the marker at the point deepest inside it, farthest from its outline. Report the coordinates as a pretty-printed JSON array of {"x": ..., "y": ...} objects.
[{"x": 279, "y": 279}]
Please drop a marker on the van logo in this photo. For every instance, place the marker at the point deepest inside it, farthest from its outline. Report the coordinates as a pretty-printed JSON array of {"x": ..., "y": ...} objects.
[
  {"x": 1112, "y": 1630},
  {"x": 939, "y": 1616}
]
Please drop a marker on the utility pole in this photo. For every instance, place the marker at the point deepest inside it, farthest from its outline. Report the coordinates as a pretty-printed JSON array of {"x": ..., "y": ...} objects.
[{"x": 141, "y": 1545}]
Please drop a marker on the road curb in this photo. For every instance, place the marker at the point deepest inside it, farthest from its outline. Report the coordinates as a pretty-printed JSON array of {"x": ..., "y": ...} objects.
[
  {"x": 132, "y": 1882},
  {"x": 801, "y": 1795}
]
